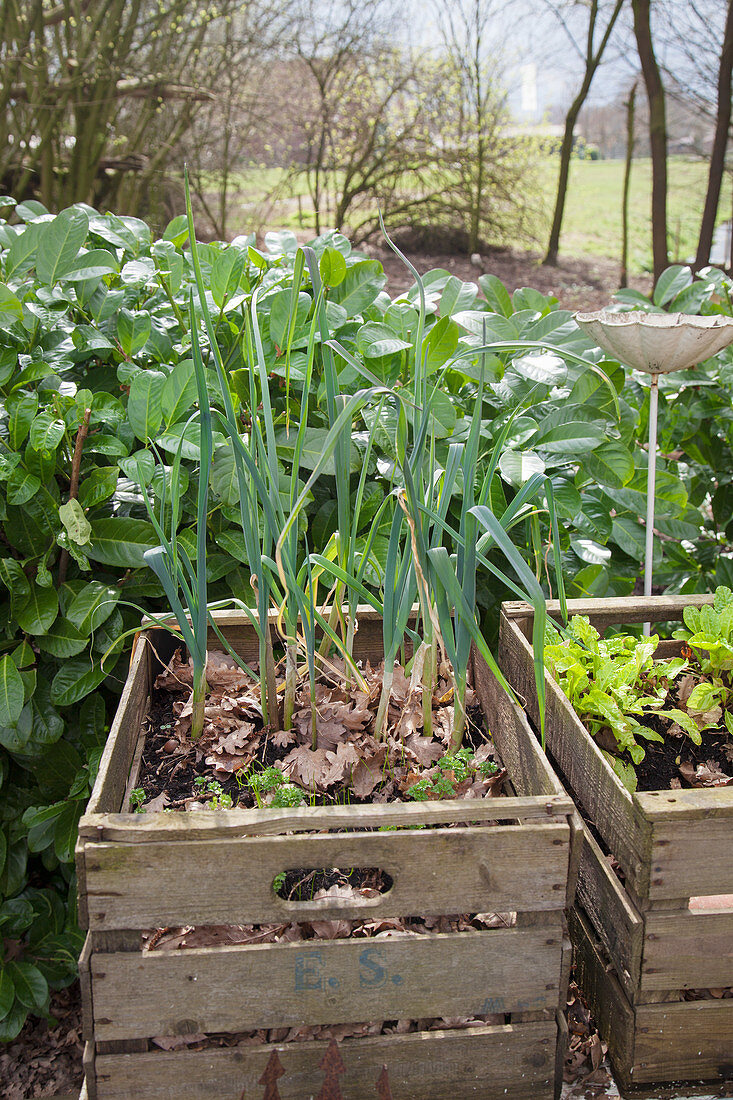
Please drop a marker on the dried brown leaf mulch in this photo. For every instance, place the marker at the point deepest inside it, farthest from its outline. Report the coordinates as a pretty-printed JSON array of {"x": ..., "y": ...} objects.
[{"x": 45, "y": 1060}]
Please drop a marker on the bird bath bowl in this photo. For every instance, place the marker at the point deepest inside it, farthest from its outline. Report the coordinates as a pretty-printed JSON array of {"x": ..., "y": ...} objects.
[{"x": 656, "y": 343}]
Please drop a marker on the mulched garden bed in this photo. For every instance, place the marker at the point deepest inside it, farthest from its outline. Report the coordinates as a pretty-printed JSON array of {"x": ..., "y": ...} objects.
[{"x": 237, "y": 762}]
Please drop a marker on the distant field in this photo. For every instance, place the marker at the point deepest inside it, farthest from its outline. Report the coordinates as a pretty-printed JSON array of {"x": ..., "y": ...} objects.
[{"x": 592, "y": 225}]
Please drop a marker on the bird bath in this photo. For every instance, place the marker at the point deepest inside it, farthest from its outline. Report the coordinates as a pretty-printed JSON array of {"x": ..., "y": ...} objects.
[{"x": 656, "y": 343}]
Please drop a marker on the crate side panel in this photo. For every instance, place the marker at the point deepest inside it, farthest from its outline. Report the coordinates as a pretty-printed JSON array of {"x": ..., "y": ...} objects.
[
  {"x": 491, "y": 1063},
  {"x": 326, "y": 982},
  {"x": 114, "y": 767},
  {"x": 613, "y": 1015},
  {"x": 580, "y": 762},
  {"x": 685, "y": 1040},
  {"x": 685, "y": 950},
  {"x": 230, "y": 881},
  {"x": 615, "y": 920},
  {"x": 520, "y": 751},
  {"x": 694, "y": 856}
]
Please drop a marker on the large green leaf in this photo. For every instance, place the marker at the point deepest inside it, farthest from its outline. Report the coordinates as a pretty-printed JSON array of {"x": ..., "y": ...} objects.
[
  {"x": 361, "y": 285},
  {"x": 541, "y": 366},
  {"x": 314, "y": 438},
  {"x": 46, "y": 433},
  {"x": 145, "y": 404},
  {"x": 92, "y": 265},
  {"x": 59, "y": 244},
  {"x": 224, "y": 479},
  {"x": 670, "y": 283},
  {"x": 10, "y": 308},
  {"x": 94, "y": 603},
  {"x": 179, "y": 393},
  {"x": 121, "y": 541},
  {"x": 611, "y": 465},
  {"x": 571, "y": 438},
  {"x": 441, "y": 343},
  {"x": 66, "y": 829},
  {"x": 21, "y": 408},
  {"x": 39, "y": 610},
  {"x": 226, "y": 274},
  {"x": 280, "y": 315},
  {"x": 496, "y": 295},
  {"x": 376, "y": 339},
  {"x": 7, "y": 986},
  {"x": 98, "y": 485},
  {"x": 457, "y": 296},
  {"x": 518, "y": 466},
  {"x": 133, "y": 331},
  {"x": 31, "y": 988},
  {"x": 11, "y": 692},
  {"x": 77, "y": 678},
  {"x": 22, "y": 486}
]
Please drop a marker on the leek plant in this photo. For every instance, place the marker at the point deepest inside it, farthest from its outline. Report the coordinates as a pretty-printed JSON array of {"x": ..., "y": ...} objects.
[{"x": 170, "y": 561}]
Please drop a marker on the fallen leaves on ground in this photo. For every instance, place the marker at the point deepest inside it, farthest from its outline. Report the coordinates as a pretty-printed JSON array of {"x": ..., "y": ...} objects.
[{"x": 45, "y": 1060}]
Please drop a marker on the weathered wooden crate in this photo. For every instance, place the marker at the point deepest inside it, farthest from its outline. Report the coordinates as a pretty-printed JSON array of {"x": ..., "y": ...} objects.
[
  {"x": 139, "y": 872},
  {"x": 669, "y": 927}
]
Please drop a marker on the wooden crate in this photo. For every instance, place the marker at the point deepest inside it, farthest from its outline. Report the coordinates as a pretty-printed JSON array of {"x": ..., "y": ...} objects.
[
  {"x": 640, "y": 943},
  {"x": 142, "y": 871}
]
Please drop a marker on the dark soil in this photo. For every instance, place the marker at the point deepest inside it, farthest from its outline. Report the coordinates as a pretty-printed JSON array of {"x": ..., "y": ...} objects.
[
  {"x": 578, "y": 283},
  {"x": 660, "y": 768},
  {"x": 45, "y": 1059}
]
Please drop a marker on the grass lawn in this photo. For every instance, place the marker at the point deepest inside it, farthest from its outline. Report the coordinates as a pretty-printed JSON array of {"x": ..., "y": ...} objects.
[{"x": 592, "y": 223}]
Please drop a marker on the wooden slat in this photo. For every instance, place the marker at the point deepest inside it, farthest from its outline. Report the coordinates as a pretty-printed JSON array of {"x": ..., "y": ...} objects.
[
  {"x": 85, "y": 983},
  {"x": 685, "y": 1040},
  {"x": 114, "y": 767},
  {"x": 210, "y": 825},
  {"x": 368, "y": 639},
  {"x": 692, "y": 856},
  {"x": 612, "y": 1012},
  {"x": 619, "y": 609},
  {"x": 81, "y": 883},
  {"x": 89, "y": 1087},
  {"x": 615, "y": 920},
  {"x": 675, "y": 807},
  {"x": 494, "y": 1063},
  {"x": 326, "y": 982},
  {"x": 230, "y": 881},
  {"x": 598, "y": 792},
  {"x": 685, "y": 950}
]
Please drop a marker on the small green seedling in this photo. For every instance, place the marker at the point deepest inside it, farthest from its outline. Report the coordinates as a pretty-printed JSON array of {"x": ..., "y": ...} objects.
[
  {"x": 286, "y": 796},
  {"x": 137, "y": 797}
]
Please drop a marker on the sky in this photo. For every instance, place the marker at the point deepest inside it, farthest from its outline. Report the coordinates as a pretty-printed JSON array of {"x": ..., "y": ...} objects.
[{"x": 540, "y": 68}]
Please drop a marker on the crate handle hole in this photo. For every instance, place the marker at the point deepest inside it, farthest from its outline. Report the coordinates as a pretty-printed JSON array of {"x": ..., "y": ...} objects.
[{"x": 352, "y": 885}]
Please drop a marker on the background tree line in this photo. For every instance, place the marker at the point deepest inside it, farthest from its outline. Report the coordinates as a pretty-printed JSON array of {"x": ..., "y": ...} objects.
[{"x": 102, "y": 103}]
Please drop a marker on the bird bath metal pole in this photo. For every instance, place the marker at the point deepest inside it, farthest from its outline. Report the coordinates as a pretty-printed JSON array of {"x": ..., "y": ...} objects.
[
  {"x": 656, "y": 343},
  {"x": 651, "y": 480}
]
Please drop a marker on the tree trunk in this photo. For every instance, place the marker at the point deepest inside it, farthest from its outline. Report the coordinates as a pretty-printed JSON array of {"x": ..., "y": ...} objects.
[
  {"x": 720, "y": 143},
  {"x": 592, "y": 61},
  {"x": 657, "y": 132},
  {"x": 630, "y": 113},
  {"x": 566, "y": 152}
]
